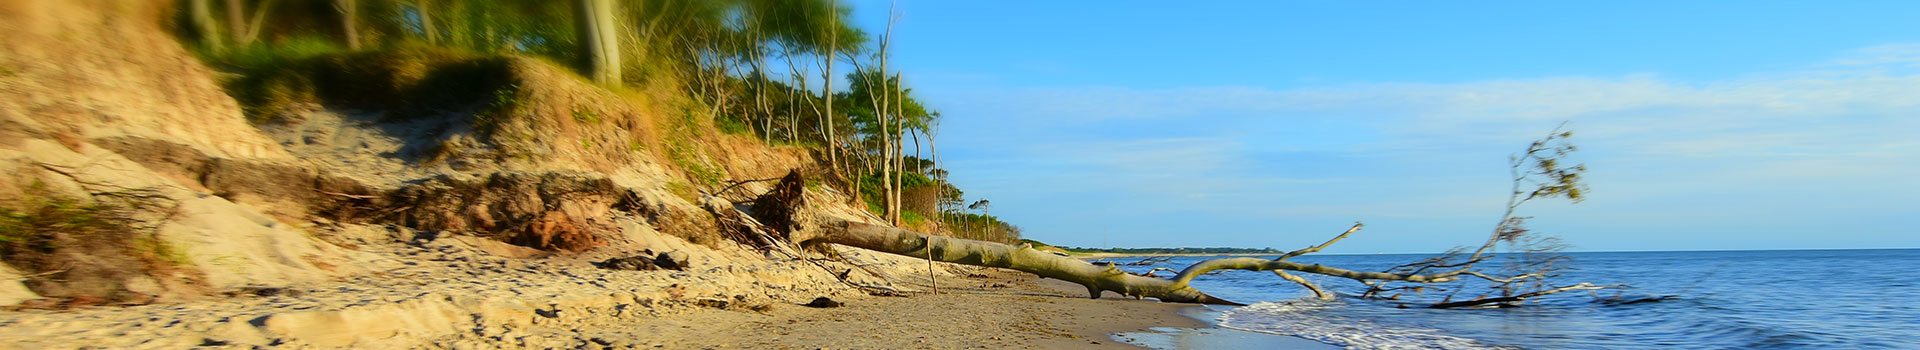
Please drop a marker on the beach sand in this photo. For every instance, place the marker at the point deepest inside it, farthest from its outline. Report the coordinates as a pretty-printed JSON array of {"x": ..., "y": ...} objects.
[
  {"x": 1001, "y": 310},
  {"x": 451, "y": 294}
]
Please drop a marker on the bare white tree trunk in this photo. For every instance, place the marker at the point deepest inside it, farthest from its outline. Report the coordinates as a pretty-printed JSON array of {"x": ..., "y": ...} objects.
[
  {"x": 349, "y": 22},
  {"x": 200, "y": 13},
  {"x": 425, "y": 8},
  {"x": 236, "y": 22},
  {"x": 598, "y": 40},
  {"x": 887, "y": 142},
  {"x": 239, "y": 28},
  {"x": 827, "y": 120}
]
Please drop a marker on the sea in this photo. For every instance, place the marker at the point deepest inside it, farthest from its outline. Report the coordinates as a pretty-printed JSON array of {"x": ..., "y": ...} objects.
[{"x": 1775, "y": 299}]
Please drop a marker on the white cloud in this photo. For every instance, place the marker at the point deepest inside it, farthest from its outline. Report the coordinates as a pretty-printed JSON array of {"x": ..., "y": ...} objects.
[
  {"x": 1907, "y": 54},
  {"x": 1837, "y": 132},
  {"x": 1834, "y": 109}
]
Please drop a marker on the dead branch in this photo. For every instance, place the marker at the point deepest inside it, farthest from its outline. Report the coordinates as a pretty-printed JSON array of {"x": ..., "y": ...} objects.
[
  {"x": 1313, "y": 249},
  {"x": 1511, "y": 300}
]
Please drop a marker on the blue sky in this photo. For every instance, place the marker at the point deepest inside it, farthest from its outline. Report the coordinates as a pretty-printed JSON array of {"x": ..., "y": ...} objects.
[{"x": 1706, "y": 125}]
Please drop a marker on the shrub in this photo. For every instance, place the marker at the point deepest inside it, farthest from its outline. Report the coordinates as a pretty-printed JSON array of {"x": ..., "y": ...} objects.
[{"x": 86, "y": 247}]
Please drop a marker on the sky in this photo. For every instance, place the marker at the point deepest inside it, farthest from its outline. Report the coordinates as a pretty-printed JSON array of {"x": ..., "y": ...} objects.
[{"x": 1705, "y": 125}]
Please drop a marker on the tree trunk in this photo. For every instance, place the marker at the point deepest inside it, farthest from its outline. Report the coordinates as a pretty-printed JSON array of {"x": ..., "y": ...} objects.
[
  {"x": 1543, "y": 155},
  {"x": 899, "y": 137},
  {"x": 939, "y": 184},
  {"x": 826, "y": 77},
  {"x": 349, "y": 22},
  {"x": 1023, "y": 258},
  {"x": 886, "y": 139},
  {"x": 921, "y": 170},
  {"x": 237, "y": 22},
  {"x": 427, "y": 30},
  {"x": 259, "y": 21},
  {"x": 987, "y": 211},
  {"x": 200, "y": 13},
  {"x": 601, "y": 47},
  {"x": 760, "y": 89}
]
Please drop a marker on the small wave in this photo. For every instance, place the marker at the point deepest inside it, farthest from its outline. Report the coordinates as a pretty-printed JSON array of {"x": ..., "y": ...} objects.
[{"x": 1315, "y": 319}]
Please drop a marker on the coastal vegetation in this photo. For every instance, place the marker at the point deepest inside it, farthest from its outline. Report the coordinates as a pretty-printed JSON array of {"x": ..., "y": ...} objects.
[{"x": 787, "y": 73}]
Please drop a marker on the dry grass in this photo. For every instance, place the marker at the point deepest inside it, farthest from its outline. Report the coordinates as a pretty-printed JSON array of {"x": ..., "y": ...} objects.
[{"x": 96, "y": 247}]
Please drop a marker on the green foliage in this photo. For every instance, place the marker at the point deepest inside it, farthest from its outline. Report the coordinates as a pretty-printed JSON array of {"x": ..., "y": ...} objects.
[
  {"x": 732, "y": 125},
  {"x": 980, "y": 227},
  {"x": 910, "y": 218},
  {"x": 421, "y": 58},
  {"x": 1553, "y": 179},
  {"x": 291, "y": 49},
  {"x": 867, "y": 85}
]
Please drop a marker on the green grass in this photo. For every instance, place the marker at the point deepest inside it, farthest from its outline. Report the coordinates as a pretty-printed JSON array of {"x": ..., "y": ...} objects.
[
  {"x": 291, "y": 49},
  {"x": 732, "y": 125},
  {"x": 688, "y": 158},
  {"x": 586, "y": 117},
  {"x": 910, "y": 217},
  {"x": 684, "y": 191}
]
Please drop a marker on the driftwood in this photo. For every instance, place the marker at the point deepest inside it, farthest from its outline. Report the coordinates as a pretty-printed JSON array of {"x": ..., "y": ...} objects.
[{"x": 1535, "y": 265}]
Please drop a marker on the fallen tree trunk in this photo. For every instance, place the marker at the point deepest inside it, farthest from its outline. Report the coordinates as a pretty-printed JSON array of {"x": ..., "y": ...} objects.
[
  {"x": 990, "y": 254},
  {"x": 783, "y": 208},
  {"x": 1095, "y": 278}
]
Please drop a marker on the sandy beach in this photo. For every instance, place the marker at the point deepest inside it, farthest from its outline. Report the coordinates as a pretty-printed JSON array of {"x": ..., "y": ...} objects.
[
  {"x": 997, "y": 309},
  {"x": 457, "y": 292},
  {"x": 1000, "y": 310}
]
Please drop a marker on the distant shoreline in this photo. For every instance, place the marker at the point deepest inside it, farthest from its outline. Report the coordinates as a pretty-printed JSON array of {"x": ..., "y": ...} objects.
[{"x": 1084, "y": 256}]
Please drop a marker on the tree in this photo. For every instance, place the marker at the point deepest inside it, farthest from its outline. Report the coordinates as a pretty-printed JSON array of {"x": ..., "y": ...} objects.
[
  {"x": 424, "y": 9},
  {"x": 599, "y": 47},
  {"x": 349, "y": 22},
  {"x": 200, "y": 15},
  {"x": 985, "y": 210},
  {"x": 242, "y": 31},
  {"x": 1539, "y": 166},
  {"x": 826, "y": 95}
]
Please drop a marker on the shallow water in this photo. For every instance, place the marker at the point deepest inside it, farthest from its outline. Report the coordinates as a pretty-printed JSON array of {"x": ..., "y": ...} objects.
[{"x": 1822, "y": 299}]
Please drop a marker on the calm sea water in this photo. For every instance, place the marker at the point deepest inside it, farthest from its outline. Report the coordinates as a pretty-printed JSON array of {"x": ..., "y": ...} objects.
[{"x": 1820, "y": 299}]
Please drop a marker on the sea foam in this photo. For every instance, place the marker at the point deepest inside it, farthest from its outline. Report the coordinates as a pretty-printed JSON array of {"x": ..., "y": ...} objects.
[{"x": 1319, "y": 321}]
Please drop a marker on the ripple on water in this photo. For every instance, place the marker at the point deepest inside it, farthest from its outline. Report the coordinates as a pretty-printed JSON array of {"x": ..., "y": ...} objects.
[{"x": 1743, "y": 300}]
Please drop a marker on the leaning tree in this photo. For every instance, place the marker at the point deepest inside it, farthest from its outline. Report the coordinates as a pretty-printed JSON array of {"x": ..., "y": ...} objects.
[{"x": 1537, "y": 173}]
